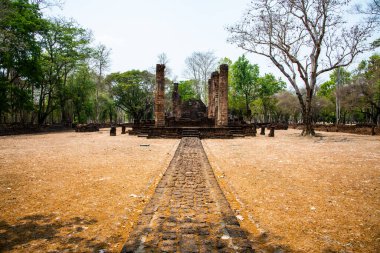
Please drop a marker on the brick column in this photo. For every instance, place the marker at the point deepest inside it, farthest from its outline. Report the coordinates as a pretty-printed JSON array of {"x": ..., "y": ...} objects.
[
  {"x": 223, "y": 96},
  {"x": 159, "y": 100},
  {"x": 215, "y": 95},
  {"x": 210, "y": 99},
  {"x": 176, "y": 102}
]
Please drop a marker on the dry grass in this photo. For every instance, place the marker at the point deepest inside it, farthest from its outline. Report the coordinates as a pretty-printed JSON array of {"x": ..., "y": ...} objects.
[
  {"x": 75, "y": 191},
  {"x": 82, "y": 192},
  {"x": 301, "y": 194}
]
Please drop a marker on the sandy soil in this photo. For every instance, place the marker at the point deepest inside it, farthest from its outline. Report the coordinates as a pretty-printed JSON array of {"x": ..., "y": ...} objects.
[
  {"x": 75, "y": 192},
  {"x": 297, "y": 194},
  {"x": 82, "y": 192}
]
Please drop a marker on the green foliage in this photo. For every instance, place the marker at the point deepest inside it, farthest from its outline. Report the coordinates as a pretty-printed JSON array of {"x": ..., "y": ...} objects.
[
  {"x": 236, "y": 102},
  {"x": 65, "y": 46},
  {"x": 107, "y": 108},
  {"x": 132, "y": 92},
  {"x": 323, "y": 109},
  {"x": 262, "y": 107},
  {"x": 81, "y": 87},
  {"x": 250, "y": 92},
  {"x": 186, "y": 90},
  {"x": 245, "y": 76},
  {"x": 4, "y": 99},
  {"x": 338, "y": 75},
  {"x": 225, "y": 60},
  {"x": 326, "y": 89},
  {"x": 325, "y": 101},
  {"x": 44, "y": 66},
  {"x": 267, "y": 87},
  {"x": 37, "y": 57},
  {"x": 244, "y": 81},
  {"x": 368, "y": 86},
  {"x": 376, "y": 43},
  {"x": 359, "y": 94},
  {"x": 19, "y": 23}
]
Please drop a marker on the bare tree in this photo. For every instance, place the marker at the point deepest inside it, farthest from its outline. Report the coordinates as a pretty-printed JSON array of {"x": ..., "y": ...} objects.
[
  {"x": 101, "y": 60},
  {"x": 43, "y": 4},
  {"x": 304, "y": 39},
  {"x": 199, "y": 67},
  {"x": 372, "y": 9},
  {"x": 163, "y": 59},
  {"x": 287, "y": 106},
  {"x": 372, "y": 12},
  {"x": 192, "y": 72}
]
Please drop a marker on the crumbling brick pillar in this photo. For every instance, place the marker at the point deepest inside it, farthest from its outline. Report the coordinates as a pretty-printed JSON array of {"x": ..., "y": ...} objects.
[
  {"x": 210, "y": 102},
  {"x": 271, "y": 133},
  {"x": 262, "y": 130},
  {"x": 215, "y": 96},
  {"x": 222, "y": 119},
  {"x": 176, "y": 102},
  {"x": 113, "y": 131},
  {"x": 159, "y": 100}
]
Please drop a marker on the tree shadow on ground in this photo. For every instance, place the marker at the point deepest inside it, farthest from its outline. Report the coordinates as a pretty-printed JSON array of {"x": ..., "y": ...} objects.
[
  {"x": 50, "y": 229},
  {"x": 264, "y": 244},
  {"x": 209, "y": 234}
]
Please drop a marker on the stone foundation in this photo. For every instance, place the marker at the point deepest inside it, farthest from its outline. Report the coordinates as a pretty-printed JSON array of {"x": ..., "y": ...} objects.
[{"x": 203, "y": 132}]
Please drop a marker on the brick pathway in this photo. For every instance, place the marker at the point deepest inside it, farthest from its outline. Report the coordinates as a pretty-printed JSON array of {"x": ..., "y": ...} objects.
[{"x": 188, "y": 212}]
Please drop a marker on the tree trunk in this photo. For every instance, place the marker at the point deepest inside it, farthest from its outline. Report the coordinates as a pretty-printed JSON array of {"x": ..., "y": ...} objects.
[
  {"x": 375, "y": 116},
  {"x": 63, "y": 114},
  {"x": 248, "y": 114},
  {"x": 265, "y": 112},
  {"x": 42, "y": 118},
  {"x": 63, "y": 99},
  {"x": 97, "y": 105},
  {"x": 308, "y": 129}
]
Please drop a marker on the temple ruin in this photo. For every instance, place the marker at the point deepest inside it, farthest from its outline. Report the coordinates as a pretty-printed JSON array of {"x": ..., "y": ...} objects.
[
  {"x": 193, "y": 117},
  {"x": 159, "y": 99}
]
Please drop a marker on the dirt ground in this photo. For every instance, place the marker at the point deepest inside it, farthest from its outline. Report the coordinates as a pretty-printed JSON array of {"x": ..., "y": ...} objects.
[
  {"x": 297, "y": 194},
  {"x": 82, "y": 192},
  {"x": 75, "y": 192}
]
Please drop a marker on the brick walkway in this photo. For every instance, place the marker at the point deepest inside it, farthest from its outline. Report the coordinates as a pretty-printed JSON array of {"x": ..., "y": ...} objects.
[{"x": 188, "y": 212}]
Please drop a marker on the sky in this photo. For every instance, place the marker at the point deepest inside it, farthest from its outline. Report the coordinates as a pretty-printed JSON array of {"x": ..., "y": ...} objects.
[{"x": 137, "y": 31}]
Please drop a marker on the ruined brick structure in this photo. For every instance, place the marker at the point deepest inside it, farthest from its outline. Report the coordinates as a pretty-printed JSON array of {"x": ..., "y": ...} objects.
[
  {"x": 217, "y": 101},
  {"x": 159, "y": 101},
  {"x": 192, "y": 117},
  {"x": 213, "y": 95},
  {"x": 210, "y": 99},
  {"x": 193, "y": 109},
  {"x": 222, "y": 118}
]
